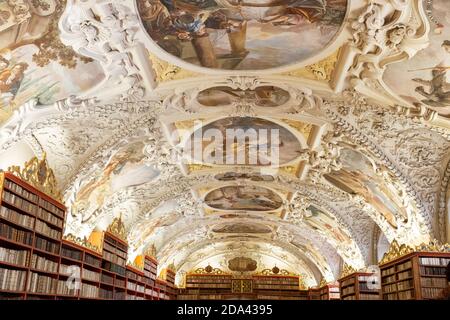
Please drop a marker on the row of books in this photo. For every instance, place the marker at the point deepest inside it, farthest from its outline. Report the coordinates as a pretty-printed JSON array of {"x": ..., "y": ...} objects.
[
  {"x": 105, "y": 293},
  {"x": 364, "y": 286},
  {"x": 275, "y": 287},
  {"x": 113, "y": 268},
  {"x": 406, "y": 295},
  {"x": 435, "y": 261},
  {"x": 41, "y": 263},
  {"x": 17, "y": 218},
  {"x": 17, "y": 257},
  {"x": 432, "y": 293},
  {"x": 42, "y": 284},
  {"x": 134, "y": 276},
  {"x": 92, "y": 260},
  {"x": 405, "y": 275},
  {"x": 348, "y": 290},
  {"x": 114, "y": 258},
  {"x": 388, "y": 279},
  {"x": 65, "y": 289},
  {"x": 16, "y": 235},
  {"x": 119, "y": 295},
  {"x": 114, "y": 250},
  {"x": 46, "y": 245},
  {"x": 20, "y": 203},
  {"x": 280, "y": 282},
  {"x": 21, "y": 191},
  {"x": 43, "y": 228},
  {"x": 12, "y": 280},
  {"x": 407, "y": 284},
  {"x": 52, "y": 219},
  {"x": 115, "y": 243},
  {"x": 89, "y": 291},
  {"x": 90, "y": 275},
  {"x": 209, "y": 285},
  {"x": 348, "y": 282},
  {"x": 119, "y": 282},
  {"x": 51, "y": 208},
  {"x": 433, "y": 282},
  {"x": 438, "y": 271},
  {"x": 107, "y": 279},
  {"x": 71, "y": 253}
]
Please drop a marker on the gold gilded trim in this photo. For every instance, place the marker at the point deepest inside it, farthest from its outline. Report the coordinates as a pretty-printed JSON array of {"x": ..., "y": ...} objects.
[
  {"x": 397, "y": 251},
  {"x": 347, "y": 270},
  {"x": 37, "y": 173},
  {"x": 83, "y": 242},
  {"x": 117, "y": 228}
]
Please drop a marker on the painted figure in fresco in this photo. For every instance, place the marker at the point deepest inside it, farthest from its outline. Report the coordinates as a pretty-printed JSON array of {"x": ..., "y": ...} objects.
[
  {"x": 172, "y": 23},
  {"x": 438, "y": 92},
  {"x": 11, "y": 77}
]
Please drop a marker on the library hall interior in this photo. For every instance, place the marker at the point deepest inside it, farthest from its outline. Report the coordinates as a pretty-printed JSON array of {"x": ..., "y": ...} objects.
[{"x": 224, "y": 150}]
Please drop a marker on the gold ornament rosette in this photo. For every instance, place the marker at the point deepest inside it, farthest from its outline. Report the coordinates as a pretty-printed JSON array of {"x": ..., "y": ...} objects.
[
  {"x": 38, "y": 173},
  {"x": 208, "y": 270},
  {"x": 396, "y": 250}
]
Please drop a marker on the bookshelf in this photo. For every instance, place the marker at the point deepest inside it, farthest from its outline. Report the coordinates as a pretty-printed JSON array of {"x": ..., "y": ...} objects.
[
  {"x": 415, "y": 276},
  {"x": 225, "y": 286},
  {"x": 31, "y": 226},
  {"x": 354, "y": 287},
  {"x": 36, "y": 263},
  {"x": 329, "y": 292}
]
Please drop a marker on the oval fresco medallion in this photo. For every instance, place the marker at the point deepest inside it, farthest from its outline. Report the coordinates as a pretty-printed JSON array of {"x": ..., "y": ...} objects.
[
  {"x": 247, "y": 197},
  {"x": 242, "y": 34}
]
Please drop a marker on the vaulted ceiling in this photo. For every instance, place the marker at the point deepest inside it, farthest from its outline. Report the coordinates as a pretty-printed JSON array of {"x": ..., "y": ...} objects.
[{"x": 116, "y": 93}]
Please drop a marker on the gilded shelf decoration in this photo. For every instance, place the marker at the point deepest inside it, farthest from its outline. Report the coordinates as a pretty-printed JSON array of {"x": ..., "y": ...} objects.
[
  {"x": 151, "y": 251},
  {"x": 433, "y": 246},
  {"x": 82, "y": 242},
  {"x": 323, "y": 282},
  {"x": 172, "y": 267},
  {"x": 289, "y": 169},
  {"x": 208, "y": 270},
  {"x": 136, "y": 266},
  {"x": 38, "y": 173},
  {"x": 117, "y": 228},
  {"x": 166, "y": 71},
  {"x": 276, "y": 271},
  {"x": 396, "y": 251},
  {"x": 2, "y": 178},
  {"x": 347, "y": 270},
  {"x": 302, "y": 284}
]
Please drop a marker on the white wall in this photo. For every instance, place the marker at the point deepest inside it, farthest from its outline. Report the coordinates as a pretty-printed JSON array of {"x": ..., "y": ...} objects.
[{"x": 16, "y": 155}]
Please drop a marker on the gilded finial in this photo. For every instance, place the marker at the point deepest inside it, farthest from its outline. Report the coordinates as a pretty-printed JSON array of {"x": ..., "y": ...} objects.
[
  {"x": 38, "y": 173},
  {"x": 117, "y": 228},
  {"x": 347, "y": 270}
]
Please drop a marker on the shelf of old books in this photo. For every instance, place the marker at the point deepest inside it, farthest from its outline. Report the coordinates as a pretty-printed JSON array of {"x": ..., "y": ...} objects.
[
  {"x": 31, "y": 225},
  {"x": 414, "y": 276},
  {"x": 204, "y": 286},
  {"x": 329, "y": 292},
  {"x": 355, "y": 287}
]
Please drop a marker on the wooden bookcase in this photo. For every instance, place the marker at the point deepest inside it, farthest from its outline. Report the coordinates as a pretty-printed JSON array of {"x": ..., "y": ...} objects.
[
  {"x": 260, "y": 287},
  {"x": 31, "y": 226},
  {"x": 415, "y": 276},
  {"x": 36, "y": 263},
  {"x": 354, "y": 287},
  {"x": 329, "y": 292}
]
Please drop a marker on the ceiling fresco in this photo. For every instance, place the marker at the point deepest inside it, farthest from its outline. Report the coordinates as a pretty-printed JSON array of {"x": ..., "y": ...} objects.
[
  {"x": 120, "y": 95},
  {"x": 242, "y": 35}
]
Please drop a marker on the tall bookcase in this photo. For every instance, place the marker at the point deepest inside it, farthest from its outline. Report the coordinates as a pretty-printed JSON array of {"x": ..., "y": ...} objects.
[
  {"x": 354, "y": 287},
  {"x": 31, "y": 226},
  {"x": 415, "y": 276},
  {"x": 36, "y": 263}
]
